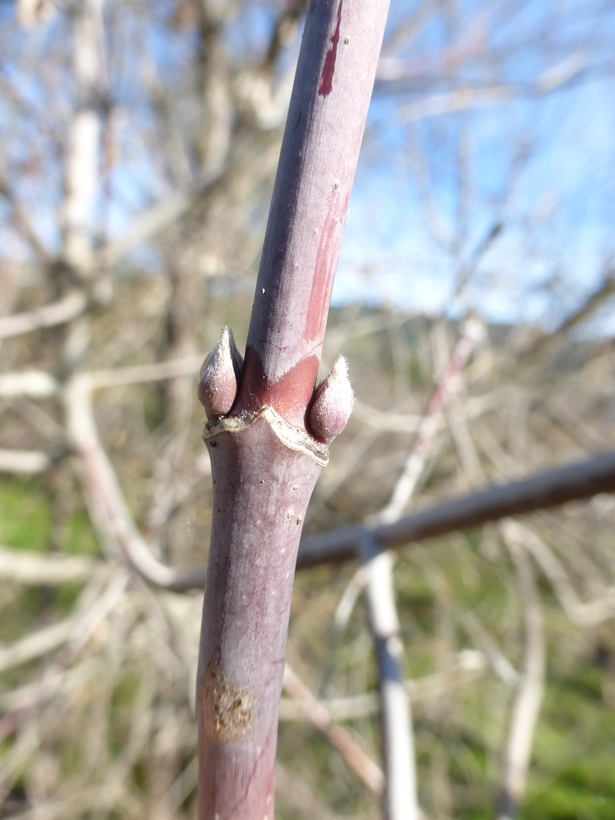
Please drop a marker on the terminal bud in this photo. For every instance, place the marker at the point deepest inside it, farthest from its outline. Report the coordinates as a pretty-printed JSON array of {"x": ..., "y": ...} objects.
[
  {"x": 220, "y": 376},
  {"x": 332, "y": 403}
]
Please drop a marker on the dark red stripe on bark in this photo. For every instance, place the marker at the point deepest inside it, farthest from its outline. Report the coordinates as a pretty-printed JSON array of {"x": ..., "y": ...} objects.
[
  {"x": 326, "y": 83},
  {"x": 289, "y": 396}
]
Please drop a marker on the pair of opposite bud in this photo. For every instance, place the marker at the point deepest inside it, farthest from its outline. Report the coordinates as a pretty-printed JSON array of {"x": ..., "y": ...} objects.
[{"x": 221, "y": 372}]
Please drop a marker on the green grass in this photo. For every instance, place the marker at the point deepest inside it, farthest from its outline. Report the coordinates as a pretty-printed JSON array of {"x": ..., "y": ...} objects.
[{"x": 25, "y": 516}]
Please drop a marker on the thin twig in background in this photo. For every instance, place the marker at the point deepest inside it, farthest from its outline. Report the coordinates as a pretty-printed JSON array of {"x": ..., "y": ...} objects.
[
  {"x": 33, "y": 383},
  {"x": 397, "y": 733},
  {"x": 410, "y": 423},
  {"x": 529, "y": 694},
  {"x": 36, "y": 644},
  {"x": 58, "y": 313},
  {"x": 141, "y": 374},
  {"x": 75, "y": 632},
  {"x": 573, "y": 482},
  {"x": 108, "y": 508},
  {"x": 297, "y": 794},
  {"x": 529, "y": 685},
  {"x": 156, "y": 219},
  {"x": 26, "y": 567},
  {"x": 26, "y": 462},
  {"x": 398, "y": 743},
  {"x": 38, "y": 384},
  {"x": 467, "y": 666},
  {"x": 589, "y": 613},
  {"x": 406, "y": 483},
  {"x": 355, "y": 758}
]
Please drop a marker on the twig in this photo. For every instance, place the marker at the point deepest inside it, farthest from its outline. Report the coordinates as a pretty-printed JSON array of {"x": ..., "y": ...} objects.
[
  {"x": 140, "y": 374},
  {"x": 439, "y": 65},
  {"x": 342, "y": 615},
  {"x": 354, "y": 757},
  {"x": 468, "y": 98},
  {"x": 410, "y": 423},
  {"x": 108, "y": 508},
  {"x": 550, "y": 488},
  {"x": 585, "y": 614},
  {"x": 398, "y": 743},
  {"x": 20, "y": 216},
  {"x": 299, "y": 796},
  {"x": 414, "y": 464},
  {"x": 529, "y": 695},
  {"x": 377, "y": 577},
  {"x": 20, "y": 699},
  {"x": 496, "y": 659},
  {"x": 268, "y": 431},
  {"x": 156, "y": 219},
  {"x": 25, "y": 461},
  {"x": 36, "y": 644},
  {"x": 469, "y": 665},
  {"x": 395, "y": 422},
  {"x": 38, "y": 384},
  {"x": 33, "y": 383},
  {"x": 544, "y": 344},
  {"x": 26, "y": 567},
  {"x": 58, "y": 313},
  {"x": 399, "y": 761},
  {"x": 75, "y": 632}
]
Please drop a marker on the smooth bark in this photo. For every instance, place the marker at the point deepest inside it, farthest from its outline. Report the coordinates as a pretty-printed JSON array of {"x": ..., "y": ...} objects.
[{"x": 265, "y": 462}]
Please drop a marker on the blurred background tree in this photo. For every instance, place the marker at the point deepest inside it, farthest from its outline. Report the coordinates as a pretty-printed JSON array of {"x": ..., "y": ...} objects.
[{"x": 139, "y": 145}]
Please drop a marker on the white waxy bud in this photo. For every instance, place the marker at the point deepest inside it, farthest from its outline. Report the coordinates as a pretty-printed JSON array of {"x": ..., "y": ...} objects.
[
  {"x": 220, "y": 375},
  {"x": 332, "y": 404}
]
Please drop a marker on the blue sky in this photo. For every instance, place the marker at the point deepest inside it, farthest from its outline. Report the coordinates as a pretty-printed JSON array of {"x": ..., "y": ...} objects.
[
  {"x": 567, "y": 183},
  {"x": 557, "y": 221},
  {"x": 557, "y": 217}
]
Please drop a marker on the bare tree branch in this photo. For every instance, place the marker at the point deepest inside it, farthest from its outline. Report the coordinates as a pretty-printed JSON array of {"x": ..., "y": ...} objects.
[
  {"x": 141, "y": 374},
  {"x": 36, "y": 644},
  {"x": 469, "y": 98},
  {"x": 26, "y": 462},
  {"x": 155, "y": 220},
  {"x": 573, "y": 482},
  {"x": 355, "y": 758},
  {"x": 406, "y": 484},
  {"x": 108, "y": 508},
  {"x": 82, "y": 626},
  {"x": 27, "y": 567},
  {"x": 531, "y": 684},
  {"x": 33, "y": 383},
  {"x": 585, "y": 614},
  {"x": 550, "y": 488},
  {"x": 268, "y": 430},
  {"x": 468, "y": 665},
  {"x": 299, "y": 795},
  {"x": 84, "y": 136},
  {"x": 400, "y": 796},
  {"x": 400, "y": 766},
  {"x": 66, "y": 309}
]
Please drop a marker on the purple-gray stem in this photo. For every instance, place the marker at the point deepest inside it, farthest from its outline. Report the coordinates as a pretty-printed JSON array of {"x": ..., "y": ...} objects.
[{"x": 265, "y": 461}]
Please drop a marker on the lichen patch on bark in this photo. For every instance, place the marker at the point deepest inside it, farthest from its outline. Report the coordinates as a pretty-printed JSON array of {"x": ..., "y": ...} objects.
[{"x": 228, "y": 710}]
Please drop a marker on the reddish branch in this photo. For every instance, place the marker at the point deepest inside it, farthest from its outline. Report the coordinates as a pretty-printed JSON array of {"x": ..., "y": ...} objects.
[{"x": 266, "y": 457}]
